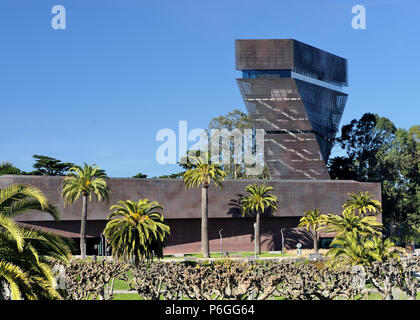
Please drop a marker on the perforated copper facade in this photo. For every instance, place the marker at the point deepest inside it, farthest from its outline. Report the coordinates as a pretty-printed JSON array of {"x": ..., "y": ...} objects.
[
  {"x": 182, "y": 210},
  {"x": 294, "y": 92}
]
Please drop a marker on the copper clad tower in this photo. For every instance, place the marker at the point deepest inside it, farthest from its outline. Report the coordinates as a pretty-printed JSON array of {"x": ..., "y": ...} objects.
[{"x": 295, "y": 93}]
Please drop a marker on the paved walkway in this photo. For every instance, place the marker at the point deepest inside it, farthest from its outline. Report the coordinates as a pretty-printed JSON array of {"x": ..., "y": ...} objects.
[{"x": 125, "y": 291}]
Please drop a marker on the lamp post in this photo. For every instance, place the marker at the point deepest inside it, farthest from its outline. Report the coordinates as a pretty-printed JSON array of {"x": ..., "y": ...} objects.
[
  {"x": 221, "y": 242},
  {"x": 282, "y": 240},
  {"x": 103, "y": 245}
]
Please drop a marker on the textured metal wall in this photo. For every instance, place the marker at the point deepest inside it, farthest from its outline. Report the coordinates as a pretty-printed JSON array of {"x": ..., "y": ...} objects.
[
  {"x": 271, "y": 54},
  {"x": 324, "y": 108},
  {"x": 291, "y": 148},
  {"x": 322, "y": 64},
  {"x": 300, "y": 117},
  {"x": 295, "y": 196},
  {"x": 264, "y": 54},
  {"x": 183, "y": 209}
]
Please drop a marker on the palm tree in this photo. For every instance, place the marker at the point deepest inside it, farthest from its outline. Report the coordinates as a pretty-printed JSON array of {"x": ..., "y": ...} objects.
[
  {"x": 26, "y": 253},
  {"x": 257, "y": 202},
  {"x": 349, "y": 221},
  {"x": 362, "y": 204},
  {"x": 27, "y": 269},
  {"x": 313, "y": 219},
  {"x": 353, "y": 249},
  {"x": 348, "y": 248},
  {"x": 202, "y": 174},
  {"x": 85, "y": 182},
  {"x": 382, "y": 249},
  {"x": 136, "y": 230},
  {"x": 14, "y": 277},
  {"x": 18, "y": 198}
]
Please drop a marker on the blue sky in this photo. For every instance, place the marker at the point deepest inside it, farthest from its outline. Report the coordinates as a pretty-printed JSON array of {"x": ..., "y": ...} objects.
[{"x": 100, "y": 90}]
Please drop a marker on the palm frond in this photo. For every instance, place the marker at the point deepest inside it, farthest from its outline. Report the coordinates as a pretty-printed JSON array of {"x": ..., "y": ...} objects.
[{"x": 136, "y": 230}]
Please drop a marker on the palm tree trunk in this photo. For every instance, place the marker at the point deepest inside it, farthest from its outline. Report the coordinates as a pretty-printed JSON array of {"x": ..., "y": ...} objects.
[
  {"x": 257, "y": 233},
  {"x": 204, "y": 223},
  {"x": 315, "y": 241},
  {"x": 83, "y": 228}
]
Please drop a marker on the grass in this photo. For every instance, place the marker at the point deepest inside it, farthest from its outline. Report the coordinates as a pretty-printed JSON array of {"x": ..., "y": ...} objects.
[
  {"x": 122, "y": 284},
  {"x": 126, "y": 296}
]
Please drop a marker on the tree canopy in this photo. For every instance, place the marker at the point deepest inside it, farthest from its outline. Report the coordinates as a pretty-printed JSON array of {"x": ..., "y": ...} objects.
[
  {"x": 48, "y": 166},
  {"x": 140, "y": 175},
  {"x": 376, "y": 151},
  {"x": 9, "y": 168}
]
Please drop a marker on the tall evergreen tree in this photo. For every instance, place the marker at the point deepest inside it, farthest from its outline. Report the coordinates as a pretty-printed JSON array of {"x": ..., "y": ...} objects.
[
  {"x": 258, "y": 200},
  {"x": 202, "y": 175},
  {"x": 376, "y": 151},
  {"x": 49, "y": 166},
  {"x": 85, "y": 182},
  {"x": 236, "y": 119}
]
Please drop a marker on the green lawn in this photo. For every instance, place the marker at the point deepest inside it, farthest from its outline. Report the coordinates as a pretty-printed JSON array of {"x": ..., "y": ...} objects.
[
  {"x": 121, "y": 284},
  {"x": 126, "y": 296}
]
